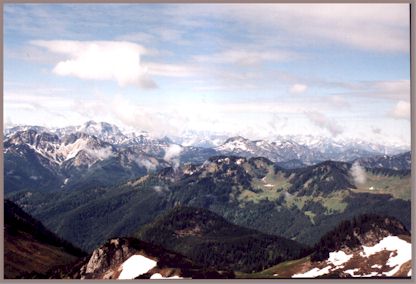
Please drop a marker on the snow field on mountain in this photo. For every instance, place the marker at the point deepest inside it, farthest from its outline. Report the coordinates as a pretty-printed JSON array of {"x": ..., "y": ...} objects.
[
  {"x": 391, "y": 243},
  {"x": 338, "y": 258},
  {"x": 159, "y": 276},
  {"x": 315, "y": 272},
  {"x": 136, "y": 265}
]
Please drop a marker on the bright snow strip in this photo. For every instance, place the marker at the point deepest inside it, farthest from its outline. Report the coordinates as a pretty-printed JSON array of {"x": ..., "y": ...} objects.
[
  {"x": 275, "y": 274},
  {"x": 377, "y": 266},
  {"x": 268, "y": 185},
  {"x": 409, "y": 273},
  {"x": 136, "y": 265},
  {"x": 372, "y": 274},
  {"x": 159, "y": 276},
  {"x": 315, "y": 272},
  {"x": 391, "y": 243},
  {"x": 338, "y": 257},
  {"x": 351, "y": 272}
]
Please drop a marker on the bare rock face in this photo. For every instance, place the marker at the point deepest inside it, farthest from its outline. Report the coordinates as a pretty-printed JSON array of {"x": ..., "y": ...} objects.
[
  {"x": 106, "y": 262},
  {"x": 109, "y": 256}
]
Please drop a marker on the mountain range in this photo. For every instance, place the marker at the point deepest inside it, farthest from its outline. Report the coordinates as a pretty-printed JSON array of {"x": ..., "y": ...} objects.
[
  {"x": 229, "y": 209},
  {"x": 87, "y": 155}
]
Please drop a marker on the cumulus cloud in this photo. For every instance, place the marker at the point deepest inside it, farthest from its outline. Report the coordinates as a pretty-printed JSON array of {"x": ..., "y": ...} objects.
[
  {"x": 101, "y": 60},
  {"x": 358, "y": 173},
  {"x": 298, "y": 88},
  {"x": 322, "y": 121},
  {"x": 172, "y": 155},
  {"x": 401, "y": 110}
]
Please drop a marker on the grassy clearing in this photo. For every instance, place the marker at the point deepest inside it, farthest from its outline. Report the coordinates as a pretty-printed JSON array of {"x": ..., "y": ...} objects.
[
  {"x": 270, "y": 187},
  {"x": 398, "y": 187},
  {"x": 282, "y": 270},
  {"x": 333, "y": 203}
]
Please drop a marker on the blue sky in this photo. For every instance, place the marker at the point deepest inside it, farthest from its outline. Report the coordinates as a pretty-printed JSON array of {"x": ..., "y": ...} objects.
[{"x": 256, "y": 70}]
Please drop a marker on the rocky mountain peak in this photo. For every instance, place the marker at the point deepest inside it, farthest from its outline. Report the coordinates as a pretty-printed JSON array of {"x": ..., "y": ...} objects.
[{"x": 131, "y": 258}]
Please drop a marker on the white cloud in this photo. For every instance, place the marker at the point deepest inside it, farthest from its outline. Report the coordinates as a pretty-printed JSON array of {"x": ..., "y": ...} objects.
[
  {"x": 373, "y": 27},
  {"x": 244, "y": 57},
  {"x": 376, "y": 130},
  {"x": 358, "y": 173},
  {"x": 172, "y": 154},
  {"x": 338, "y": 101},
  {"x": 36, "y": 100},
  {"x": 298, "y": 88},
  {"x": 388, "y": 89},
  {"x": 321, "y": 120},
  {"x": 101, "y": 154},
  {"x": 171, "y": 70},
  {"x": 401, "y": 110},
  {"x": 101, "y": 60}
]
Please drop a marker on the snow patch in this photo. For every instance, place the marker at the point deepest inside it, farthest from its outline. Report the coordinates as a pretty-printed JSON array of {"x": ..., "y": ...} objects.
[
  {"x": 409, "y": 273},
  {"x": 235, "y": 145},
  {"x": 136, "y": 265},
  {"x": 315, "y": 272},
  {"x": 378, "y": 266},
  {"x": 372, "y": 274},
  {"x": 352, "y": 271},
  {"x": 339, "y": 257},
  {"x": 159, "y": 276},
  {"x": 391, "y": 243},
  {"x": 269, "y": 185}
]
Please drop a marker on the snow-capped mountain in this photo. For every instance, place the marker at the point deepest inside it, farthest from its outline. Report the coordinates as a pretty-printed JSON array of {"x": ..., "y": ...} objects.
[
  {"x": 202, "y": 139},
  {"x": 307, "y": 151},
  {"x": 60, "y": 149},
  {"x": 105, "y": 131},
  {"x": 71, "y": 153},
  {"x": 241, "y": 146}
]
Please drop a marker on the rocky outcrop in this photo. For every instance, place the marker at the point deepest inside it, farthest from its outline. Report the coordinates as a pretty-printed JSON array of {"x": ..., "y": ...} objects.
[{"x": 130, "y": 258}]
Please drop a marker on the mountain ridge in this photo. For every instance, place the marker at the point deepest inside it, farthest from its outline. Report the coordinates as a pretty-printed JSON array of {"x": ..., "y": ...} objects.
[
  {"x": 30, "y": 248},
  {"x": 210, "y": 240}
]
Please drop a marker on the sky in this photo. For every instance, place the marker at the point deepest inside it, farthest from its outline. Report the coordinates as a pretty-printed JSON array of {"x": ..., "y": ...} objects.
[{"x": 257, "y": 70}]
